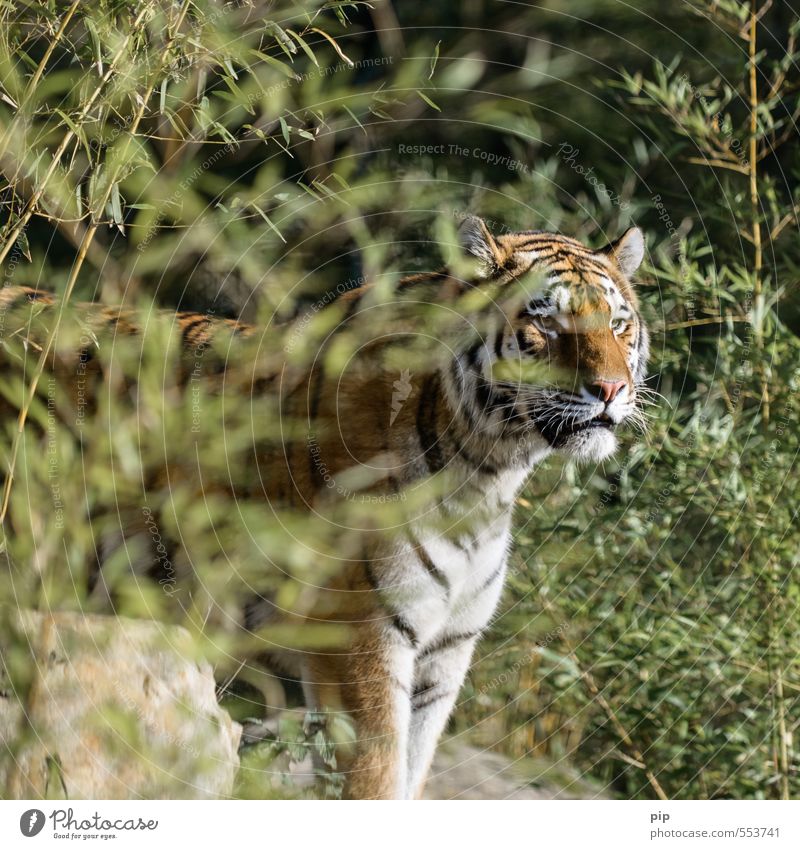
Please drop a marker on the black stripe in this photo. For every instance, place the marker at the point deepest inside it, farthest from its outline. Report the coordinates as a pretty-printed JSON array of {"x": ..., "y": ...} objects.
[
  {"x": 489, "y": 400},
  {"x": 498, "y": 345},
  {"x": 580, "y": 266},
  {"x": 423, "y": 687},
  {"x": 483, "y": 395},
  {"x": 195, "y": 322},
  {"x": 544, "y": 247},
  {"x": 472, "y": 354},
  {"x": 432, "y": 700},
  {"x": 461, "y": 546},
  {"x": 397, "y": 621},
  {"x": 457, "y": 374},
  {"x": 448, "y": 642},
  {"x": 371, "y": 579},
  {"x": 570, "y": 253},
  {"x": 479, "y": 464},
  {"x": 463, "y": 408},
  {"x": 491, "y": 579},
  {"x": 425, "y": 559},
  {"x": 544, "y": 302},
  {"x": 524, "y": 343},
  {"x": 593, "y": 265},
  {"x": 316, "y": 391},
  {"x": 426, "y": 425},
  {"x": 406, "y": 630}
]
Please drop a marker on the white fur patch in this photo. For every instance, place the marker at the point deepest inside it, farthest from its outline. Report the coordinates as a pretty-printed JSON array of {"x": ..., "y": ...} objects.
[{"x": 591, "y": 446}]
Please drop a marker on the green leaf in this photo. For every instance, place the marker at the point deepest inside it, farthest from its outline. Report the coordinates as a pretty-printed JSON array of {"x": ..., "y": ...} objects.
[
  {"x": 306, "y": 49},
  {"x": 428, "y": 100},
  {"x": 285, "y": 129},
  {"x": 229, "y": 68},
  {"x": 266, "y": 218},
  {"x": 116, "y": 205},
  {"x": 278, "y": 65},
  {"x": 24, "y": 247},
  {"x": 286, "y": 44},
  {"x": 76, "y": 131},
  {"x": 353, "y": 116},
  {"x": 434, "y": 59}
]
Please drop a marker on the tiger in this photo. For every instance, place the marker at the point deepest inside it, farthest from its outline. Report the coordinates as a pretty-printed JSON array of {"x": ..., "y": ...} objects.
[{"x": 544, "y": 351}]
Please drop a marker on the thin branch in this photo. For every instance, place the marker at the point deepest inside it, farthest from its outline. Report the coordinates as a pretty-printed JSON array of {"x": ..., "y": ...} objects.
[
  {"x": 718, "y": 163},
  {"x": 50, "y": 48},
  {"x": 787, "y": 219}
]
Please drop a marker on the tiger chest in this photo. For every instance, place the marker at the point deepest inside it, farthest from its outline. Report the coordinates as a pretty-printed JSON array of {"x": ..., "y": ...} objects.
[{"x": 444, "y": 585}]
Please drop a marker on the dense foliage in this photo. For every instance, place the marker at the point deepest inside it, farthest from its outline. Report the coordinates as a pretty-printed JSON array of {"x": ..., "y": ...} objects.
[{"x": 248, "y": 158}]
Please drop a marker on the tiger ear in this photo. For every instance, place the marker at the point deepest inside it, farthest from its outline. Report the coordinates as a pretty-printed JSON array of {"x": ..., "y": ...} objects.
[
  {"x": 627, "y": 251},
  {"x": 477, "y": 241}
]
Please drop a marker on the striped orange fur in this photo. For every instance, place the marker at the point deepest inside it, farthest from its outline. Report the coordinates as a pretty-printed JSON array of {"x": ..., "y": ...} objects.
[{"x": 452, "y": 393}]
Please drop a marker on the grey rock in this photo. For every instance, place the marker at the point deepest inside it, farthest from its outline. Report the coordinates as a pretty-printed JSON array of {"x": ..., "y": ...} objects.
[{"x": 98, "y": 707}]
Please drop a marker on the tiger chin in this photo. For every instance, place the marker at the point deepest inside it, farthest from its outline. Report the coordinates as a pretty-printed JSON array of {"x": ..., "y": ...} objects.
[{"x": 415, "y": 599}]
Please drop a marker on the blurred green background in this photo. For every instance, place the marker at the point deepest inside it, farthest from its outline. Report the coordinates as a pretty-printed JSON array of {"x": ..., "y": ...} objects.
[{"x": 248, "y": 157}]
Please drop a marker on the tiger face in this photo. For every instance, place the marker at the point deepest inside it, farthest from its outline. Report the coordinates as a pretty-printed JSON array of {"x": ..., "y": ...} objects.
[{"x": 570, "y": 322}]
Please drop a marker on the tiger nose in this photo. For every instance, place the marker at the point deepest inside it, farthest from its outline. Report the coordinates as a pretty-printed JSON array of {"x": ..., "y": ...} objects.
[{"x": 606, "y": 390}]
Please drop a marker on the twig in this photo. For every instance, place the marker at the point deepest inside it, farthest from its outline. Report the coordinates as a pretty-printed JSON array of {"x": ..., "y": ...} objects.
[
  {"x": 50, "y": 48},
  {"x": 718, "y": 163},
  {"x": 787, "y": 219}
]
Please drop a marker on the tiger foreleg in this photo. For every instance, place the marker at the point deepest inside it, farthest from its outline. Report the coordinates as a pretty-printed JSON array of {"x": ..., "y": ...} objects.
[
  {"x": 372, "y": 684},
  {"x": 437, "y": 679}
]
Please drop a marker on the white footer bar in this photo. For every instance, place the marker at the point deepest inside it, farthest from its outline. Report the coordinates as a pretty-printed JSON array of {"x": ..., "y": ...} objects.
[{"x": 410, "y": 825}]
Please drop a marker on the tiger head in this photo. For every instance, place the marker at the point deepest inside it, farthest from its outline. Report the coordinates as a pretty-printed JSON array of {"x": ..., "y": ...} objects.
[{"x": 570, "y": 323}]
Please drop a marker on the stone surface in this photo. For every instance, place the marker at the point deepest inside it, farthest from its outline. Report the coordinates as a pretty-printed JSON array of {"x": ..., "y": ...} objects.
[
  {"x": 98, "y": 707},
  {"x": 461, "y": 771}
]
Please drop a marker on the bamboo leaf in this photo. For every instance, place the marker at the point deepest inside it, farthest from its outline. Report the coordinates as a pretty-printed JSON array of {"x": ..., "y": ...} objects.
[
  {"x": 306, "y": 49},
  {"x": 286, "y": 44},
  {"x": 335, "y": 46},
  {"x": 434, "y": 59},
  {"x": 285, "y": 69},
  {"x": 266, "y": 218},
  {"x": 428, "y": 100},
  {"x": 76, "y": 131}
]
